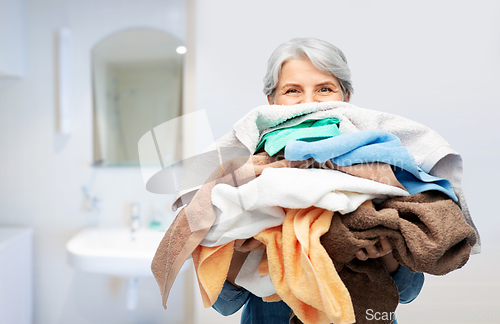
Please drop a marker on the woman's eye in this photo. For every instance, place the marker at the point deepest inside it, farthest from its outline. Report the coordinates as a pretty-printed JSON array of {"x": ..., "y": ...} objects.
[
  {"x": 325, "y": 89},
  {"x": 291, "y": 91}
]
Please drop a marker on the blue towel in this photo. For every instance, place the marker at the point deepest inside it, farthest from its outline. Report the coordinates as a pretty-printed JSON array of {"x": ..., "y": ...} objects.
[{"x": 370, "y": 146}]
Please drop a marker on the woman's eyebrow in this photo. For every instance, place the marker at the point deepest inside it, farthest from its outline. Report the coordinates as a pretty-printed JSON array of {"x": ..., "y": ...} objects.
[
  {"x": 291, "y": 84},
  {"x": 326, "y": 83}
]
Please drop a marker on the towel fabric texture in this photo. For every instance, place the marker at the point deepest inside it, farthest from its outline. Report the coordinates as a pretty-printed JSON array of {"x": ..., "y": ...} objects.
[
  {"x": 370, "y": 146},
  {"x": 317, "y": 206},
  {"x": 211, "y": 265},
  {"x": 426, "y": 230},
  {"x": 430, "y": 151}
]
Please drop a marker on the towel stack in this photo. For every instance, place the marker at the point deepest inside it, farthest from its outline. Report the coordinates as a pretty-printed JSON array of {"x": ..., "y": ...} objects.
[{"x": 309, "y": 207}]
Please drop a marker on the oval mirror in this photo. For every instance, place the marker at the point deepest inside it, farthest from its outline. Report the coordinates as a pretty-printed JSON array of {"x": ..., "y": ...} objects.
[{"x": 137, "y": 85}]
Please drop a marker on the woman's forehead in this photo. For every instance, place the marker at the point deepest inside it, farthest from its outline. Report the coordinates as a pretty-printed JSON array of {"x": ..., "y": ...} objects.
[{"x": 300, "y": 70}]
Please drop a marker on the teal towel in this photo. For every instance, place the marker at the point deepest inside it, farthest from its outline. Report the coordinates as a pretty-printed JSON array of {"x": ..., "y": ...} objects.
[{"x": 310, "y": 130}]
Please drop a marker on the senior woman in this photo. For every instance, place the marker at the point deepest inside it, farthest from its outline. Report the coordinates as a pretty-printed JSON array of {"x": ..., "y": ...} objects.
[{"x": 305, "y": 70}]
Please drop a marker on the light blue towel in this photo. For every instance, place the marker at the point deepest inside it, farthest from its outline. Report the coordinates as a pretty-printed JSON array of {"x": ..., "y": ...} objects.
[{"x": 370, "y": 146}]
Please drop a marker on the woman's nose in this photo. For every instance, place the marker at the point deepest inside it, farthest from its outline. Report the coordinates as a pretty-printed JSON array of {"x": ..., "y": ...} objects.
[{"x": 308, "y": 97}]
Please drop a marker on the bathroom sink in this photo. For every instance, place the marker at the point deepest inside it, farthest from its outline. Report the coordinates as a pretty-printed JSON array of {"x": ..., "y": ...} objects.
[{"x": 114, "y": 251}]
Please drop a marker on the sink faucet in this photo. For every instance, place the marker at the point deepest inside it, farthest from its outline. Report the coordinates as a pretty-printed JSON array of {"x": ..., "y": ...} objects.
[{"x": 135, "y": 218}]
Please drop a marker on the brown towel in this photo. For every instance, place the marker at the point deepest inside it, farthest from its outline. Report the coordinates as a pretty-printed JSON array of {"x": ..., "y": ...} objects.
[{"x": 427, "y": 231}]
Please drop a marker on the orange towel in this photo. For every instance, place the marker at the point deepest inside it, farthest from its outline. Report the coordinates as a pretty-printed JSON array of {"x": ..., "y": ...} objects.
[
  {"x": 211, "y": 265},
  {"x": 301, "y": 270}
]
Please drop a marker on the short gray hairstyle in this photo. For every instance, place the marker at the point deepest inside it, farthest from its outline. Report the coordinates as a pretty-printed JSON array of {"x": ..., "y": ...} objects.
[{"x": 323, "y": 55}]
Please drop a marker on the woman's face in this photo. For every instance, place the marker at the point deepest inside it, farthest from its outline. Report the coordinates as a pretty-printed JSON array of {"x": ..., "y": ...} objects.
[{"x": 302, "y": 82}]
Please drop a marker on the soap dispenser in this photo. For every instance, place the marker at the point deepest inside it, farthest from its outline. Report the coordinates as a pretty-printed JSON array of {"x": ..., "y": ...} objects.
[{"x": 156, "y": 218}]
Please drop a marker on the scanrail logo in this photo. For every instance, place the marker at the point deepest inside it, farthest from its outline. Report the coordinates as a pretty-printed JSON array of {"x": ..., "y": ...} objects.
[{"x": 377, "y": 316}]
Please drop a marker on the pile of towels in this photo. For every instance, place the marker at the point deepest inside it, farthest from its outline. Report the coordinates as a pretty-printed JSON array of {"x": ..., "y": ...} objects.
[{"x": 315, "y": 182}]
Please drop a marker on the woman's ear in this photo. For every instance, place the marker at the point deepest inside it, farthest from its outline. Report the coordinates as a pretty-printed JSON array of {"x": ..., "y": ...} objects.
[
  {"x": 271, "y": 102},
  {"x": 348, "y": 96}
]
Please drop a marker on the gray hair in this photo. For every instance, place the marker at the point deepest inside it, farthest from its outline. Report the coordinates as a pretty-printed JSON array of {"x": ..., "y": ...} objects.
[{"x": 322, "y": 55}]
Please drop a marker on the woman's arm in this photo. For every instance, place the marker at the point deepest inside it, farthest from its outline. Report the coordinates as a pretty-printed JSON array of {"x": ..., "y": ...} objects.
[
  {"x": 230, "y": 299},
  {"x": 409, "y": 284}
]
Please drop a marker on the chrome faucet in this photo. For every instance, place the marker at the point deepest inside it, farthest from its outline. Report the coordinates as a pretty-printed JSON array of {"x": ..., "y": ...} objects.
[
  {"x": 135, "y": 218},
  {"x": 91, "y": 203}
]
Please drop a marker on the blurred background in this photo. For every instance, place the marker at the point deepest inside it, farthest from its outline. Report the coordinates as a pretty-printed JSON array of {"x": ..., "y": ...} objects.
[{"x": 72, "y": 110}]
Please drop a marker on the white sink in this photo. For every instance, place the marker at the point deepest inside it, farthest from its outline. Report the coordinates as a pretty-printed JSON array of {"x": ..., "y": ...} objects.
[{"x": 113, "y": 251}]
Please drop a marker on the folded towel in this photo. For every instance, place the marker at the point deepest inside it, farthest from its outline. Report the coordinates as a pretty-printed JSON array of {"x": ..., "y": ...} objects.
[
  {"x": 245, "y": 211},
  {"x": 302, "y": 272},
  {"x": 370, "y": 146},
  {"x": 431, "y": 152}
]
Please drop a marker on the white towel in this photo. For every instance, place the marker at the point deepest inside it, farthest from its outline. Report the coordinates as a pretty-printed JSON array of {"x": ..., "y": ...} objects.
[
  {"x": 245, "y": 211},
  {"x": 431, "y": 152}
]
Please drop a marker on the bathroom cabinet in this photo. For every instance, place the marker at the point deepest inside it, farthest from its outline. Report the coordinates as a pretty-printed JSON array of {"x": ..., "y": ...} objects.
[{"x": 16, "y": 275}]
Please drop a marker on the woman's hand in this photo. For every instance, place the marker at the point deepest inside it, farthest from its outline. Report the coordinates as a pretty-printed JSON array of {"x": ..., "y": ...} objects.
[
  {"x": 382, "y": 251},
  {"x": 241, "y": 249}
]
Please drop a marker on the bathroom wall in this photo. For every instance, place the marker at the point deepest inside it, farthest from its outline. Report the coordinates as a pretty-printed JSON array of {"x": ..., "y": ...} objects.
[
  {"x": 437, "y": 62},
  {"x": 42, "y": 172}
]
